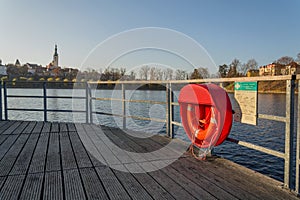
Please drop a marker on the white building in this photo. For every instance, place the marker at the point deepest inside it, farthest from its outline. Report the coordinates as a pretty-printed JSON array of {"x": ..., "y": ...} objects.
[{"x": 3, "y": 69}]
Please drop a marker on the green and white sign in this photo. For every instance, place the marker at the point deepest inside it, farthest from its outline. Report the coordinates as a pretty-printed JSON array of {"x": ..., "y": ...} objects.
[{"x": 245, "y": 93}]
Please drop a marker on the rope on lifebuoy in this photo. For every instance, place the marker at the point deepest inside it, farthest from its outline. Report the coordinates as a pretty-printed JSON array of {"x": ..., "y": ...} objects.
[{"x": 196, "y": 132}]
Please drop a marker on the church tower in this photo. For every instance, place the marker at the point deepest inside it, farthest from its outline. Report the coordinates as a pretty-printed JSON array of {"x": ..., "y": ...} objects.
[{"x": 55, "y": 58}]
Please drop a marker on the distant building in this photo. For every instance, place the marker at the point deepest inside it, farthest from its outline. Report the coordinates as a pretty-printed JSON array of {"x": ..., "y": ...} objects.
[
  {"x": 35, "y": 69},
  {"x": 293, "y": 68},
  {"x": 54, "y": 64},
  {"x": 275, "y": 69},
  {"x": 272, "y": 70},
  {"x": 3, "y": 69},
  {"x": 252, "y": 72},
  {"x": 18, "y": 64}
]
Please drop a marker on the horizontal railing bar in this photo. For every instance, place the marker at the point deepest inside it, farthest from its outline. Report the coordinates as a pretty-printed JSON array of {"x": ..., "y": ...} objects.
[
  {"x": 177, "y": 123},
  {"x": 105, "y": 99},
  {"x": 132, "y": 116},
  {"x": 258, "y": 148},
  {"x": 272, "y": 117},
  {"x": 39, "y": 110},
  {"x": 102, "y": 113},
  {"x": 256, "y": 78},
  {"x": 23, "y": 96},
  {"x": 40, "y": 97},
  {"x": 54, "y": 110},
  {"x": 147, "y": 119},
  {"x": 218, "y": 80},
  {"x": 64, "y": 97},
  {"x": 145, "y": 101},
  {"x": 175, "y": 103},
  {"x": 130, "y": 100},
  {"x": 25, "y": 109}
]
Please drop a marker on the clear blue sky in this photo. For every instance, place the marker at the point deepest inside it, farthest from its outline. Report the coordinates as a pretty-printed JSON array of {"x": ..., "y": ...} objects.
[{"x": 261, "y": 29}]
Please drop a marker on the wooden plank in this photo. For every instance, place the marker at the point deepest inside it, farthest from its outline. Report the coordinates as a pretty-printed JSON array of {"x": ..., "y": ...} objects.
[
  {"x": 124, "y": 145},
  {"x": 55, "y": 127},
  {"x": 53, "y": 155},
  {"x": 12, "y": 128},
  {"x": 6, "y": 145},
  {"x": 112, "y": 185},
  {"x": 29, "y": 127},
  {"x": 71, "y": 127},
  {"x": 67, "y": 156},
  {"x": 264, "y": 186},
  {"x": 73, "y": 185},
  {"x": 9, "y": 159},
  {"x": 37, "y": 128},
  {"x": 91, "y": 149},
  {"x": 22, "y": 163},
  {"x": 20, "y": 128},
  {"x": 6, "y": 126},
  {"x": 79, "y": 150},
  {"x": 133, "y": 144},
  {"x": 3, "y": 138},
  {"x": 224, "y": 183},
  {"x": 12, "y": 187},
  {"x": 118, "y": 152},
  {"x": 93, "y": 186},
  {"x": 210, "y": 185},
  {"x": 146, "y": 181},
  {"x": 2, "y": 123},
  {"x": 46, "y": 127},
  {"x": 32, "y": 187},
  {"x": 53, "y": 188},
  {"x": 177, "y": 191},
  {"x": 38, "y": 161},
  {"x": 63, "y": 127},
  {"x": 187, "y": 184},
  {"x": 133, "y": 188},
  {"x": 2, "y": 181}
]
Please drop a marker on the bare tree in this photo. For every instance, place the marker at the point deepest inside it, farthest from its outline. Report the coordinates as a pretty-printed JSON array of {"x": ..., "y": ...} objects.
[
  {"x": 298, "y": 58},
  {"x": 159, "y": 74},
  {"x": 233, "y": 68},
  {"x": 285, "y": 60},
  {"x": 223, "y": 70},
  {"x": 180, "y": 74},
  {"x": 152, "y": 73},
  {"x": 204, "y": 73},
  {"x": 144, "y": 72},
  {"x": 251, "y": 64},
  {"x": 168, "y": 74},
  {"x": 195, "y": 75}
]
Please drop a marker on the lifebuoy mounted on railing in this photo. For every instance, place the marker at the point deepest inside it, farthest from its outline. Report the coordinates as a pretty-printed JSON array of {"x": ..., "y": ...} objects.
[{"x": 206, "y": 114}]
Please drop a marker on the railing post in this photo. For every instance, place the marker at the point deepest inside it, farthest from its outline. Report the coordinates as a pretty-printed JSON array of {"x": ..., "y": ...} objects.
[
  {"x": 297, "y": 186},
  {"x": 169, "y": 111},
  {"x": 87, "y": 102},
  {"x": 5, "y": 101},
  {"x": 90, "y": 105},
  {"x": 124, "y": 106},
  {"x": 45, "y": 100},
  {"x": 1, "y": 107},
  {"x": 289, "y": 130}
]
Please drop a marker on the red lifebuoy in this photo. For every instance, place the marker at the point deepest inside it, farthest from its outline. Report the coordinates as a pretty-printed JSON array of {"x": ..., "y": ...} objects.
[{"x": 206, "y": 114}]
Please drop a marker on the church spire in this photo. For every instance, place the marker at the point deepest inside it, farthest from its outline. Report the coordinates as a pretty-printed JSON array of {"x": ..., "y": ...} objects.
[
  {"x": 55, "y": 58},
  {"x": 55, "y": 52}
]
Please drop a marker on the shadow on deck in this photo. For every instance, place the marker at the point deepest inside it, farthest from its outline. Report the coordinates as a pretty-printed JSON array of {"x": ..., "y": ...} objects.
[{"x": 51, "y": 161}]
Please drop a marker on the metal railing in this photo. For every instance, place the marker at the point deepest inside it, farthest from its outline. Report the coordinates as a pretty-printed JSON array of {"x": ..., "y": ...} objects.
[{"x": 287, "y": 155}]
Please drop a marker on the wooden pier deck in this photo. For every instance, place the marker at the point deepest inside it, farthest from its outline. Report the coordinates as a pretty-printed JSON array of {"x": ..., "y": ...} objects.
[{"x": 41, "y": 160}]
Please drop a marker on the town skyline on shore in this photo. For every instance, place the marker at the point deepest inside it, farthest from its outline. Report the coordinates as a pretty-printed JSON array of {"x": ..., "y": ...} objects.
[{"x": 263, "y": 30}]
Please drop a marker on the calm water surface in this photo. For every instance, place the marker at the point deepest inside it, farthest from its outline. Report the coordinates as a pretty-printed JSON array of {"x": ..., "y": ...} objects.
[{"x": 267, "y": 133}]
